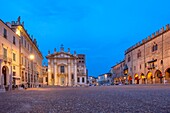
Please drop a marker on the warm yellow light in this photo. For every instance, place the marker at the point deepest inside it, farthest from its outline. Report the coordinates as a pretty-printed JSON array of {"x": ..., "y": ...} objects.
[
  {"x": 18, "y": 32},
  {"x": 136, "y": 75},
  {"x": 31, "y": 57},
  {"x": 143, "y": 77}
]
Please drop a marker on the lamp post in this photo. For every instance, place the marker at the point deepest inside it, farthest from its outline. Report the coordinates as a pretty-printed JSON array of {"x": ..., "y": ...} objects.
[
  {"x": 125, "y": 73},
  {"x": 105, "y": 77},
  {"x": 32, "y": 58}
]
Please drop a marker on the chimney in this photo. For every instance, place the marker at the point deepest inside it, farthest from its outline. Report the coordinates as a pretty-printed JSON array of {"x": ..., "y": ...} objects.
[
  {"x": 48, "y": 52},
  {"x": 54, "y": 50}
]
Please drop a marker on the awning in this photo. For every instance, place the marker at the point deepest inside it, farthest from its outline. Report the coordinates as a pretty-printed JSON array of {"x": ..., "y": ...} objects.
[
  {"x": 15, "y": 77},
  {"x": 151, "y": 61}
]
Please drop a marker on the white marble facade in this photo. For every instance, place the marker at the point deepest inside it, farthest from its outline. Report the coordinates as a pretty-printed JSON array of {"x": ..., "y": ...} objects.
[{"x": 62, "y": 68}]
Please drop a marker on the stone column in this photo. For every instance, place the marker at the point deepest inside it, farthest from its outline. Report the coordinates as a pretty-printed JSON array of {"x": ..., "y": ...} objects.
[
  {"x": 55, "y": 74},
  {"x": 49, "y": 74},
  {"x": 85, "y": 80},
  {"x": 10, "y": 79},
  {"x": 69, "y": 74},
  {"x": 75, "y": 73}
]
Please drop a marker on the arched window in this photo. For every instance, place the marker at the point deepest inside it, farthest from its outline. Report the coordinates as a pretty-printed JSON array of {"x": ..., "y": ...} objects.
[
  {"x": 62, "y": 69},
  {"x": 78, "y": 79},
  {"x": 139, "y": 54},
  {"x": 83, "y": 79},
  {"x": 154, "y": 47}
]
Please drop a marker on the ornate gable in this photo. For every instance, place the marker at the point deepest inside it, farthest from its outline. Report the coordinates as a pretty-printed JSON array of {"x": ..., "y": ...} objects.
[{"x": 61, "y": 55}]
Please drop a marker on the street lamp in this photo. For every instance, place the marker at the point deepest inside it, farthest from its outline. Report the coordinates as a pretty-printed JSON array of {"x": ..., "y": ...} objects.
[
  {"x": 125, "y": 70},
  {"x": 32, "y": 58}
]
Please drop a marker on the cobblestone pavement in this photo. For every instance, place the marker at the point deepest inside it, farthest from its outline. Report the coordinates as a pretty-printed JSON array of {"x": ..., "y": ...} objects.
[{"x": 101, "y": 99}]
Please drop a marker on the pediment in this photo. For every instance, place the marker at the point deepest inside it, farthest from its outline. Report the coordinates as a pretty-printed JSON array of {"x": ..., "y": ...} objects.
[{"x": 61, "y": 55}]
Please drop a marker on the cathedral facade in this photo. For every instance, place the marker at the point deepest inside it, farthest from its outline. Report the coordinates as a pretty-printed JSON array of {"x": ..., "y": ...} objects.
[{"x": 66, "y": 69}]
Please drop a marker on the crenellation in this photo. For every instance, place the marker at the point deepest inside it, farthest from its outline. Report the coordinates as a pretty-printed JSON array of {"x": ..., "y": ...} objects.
[
  {"x": 162, "y": 30},
  {"x": 152, "y": 67},
  {"x": 153, "y": 35},
  {"x": 157, "y": 33},
  {"x": 167, "y": 27}
]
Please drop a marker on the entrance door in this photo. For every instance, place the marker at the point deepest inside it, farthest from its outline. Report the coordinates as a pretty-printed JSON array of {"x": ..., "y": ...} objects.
[
  {"x": 62, "y": 81},
  {"x": 4, "y": 72}
]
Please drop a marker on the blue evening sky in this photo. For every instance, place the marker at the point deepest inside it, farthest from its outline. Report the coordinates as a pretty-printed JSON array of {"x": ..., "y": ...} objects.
[{"x": 101, "y": 29}]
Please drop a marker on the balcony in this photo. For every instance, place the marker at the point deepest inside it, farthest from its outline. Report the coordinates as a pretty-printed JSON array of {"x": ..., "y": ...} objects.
[{"x": 5, "y": 59}]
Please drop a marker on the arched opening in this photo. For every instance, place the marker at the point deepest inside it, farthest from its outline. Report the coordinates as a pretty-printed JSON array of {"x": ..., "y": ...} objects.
[
  {"x": 143, "y": 78},
  {"x": 130, "y": 79},
  {"x": 136, "y": 79},
  {"x": 158, "y": 77},
  {"x": 167, "y": 75},
  {"x": 149, "y": 78},
  {"x": 116, "y": 81},
  {"x": 22, "y": 76},
  {"x": 62, "y": 82},
  {"x": 5, "y": 73}
]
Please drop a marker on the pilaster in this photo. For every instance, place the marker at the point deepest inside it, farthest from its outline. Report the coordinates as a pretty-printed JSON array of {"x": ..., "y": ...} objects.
[{"x": 75, "y": 72}]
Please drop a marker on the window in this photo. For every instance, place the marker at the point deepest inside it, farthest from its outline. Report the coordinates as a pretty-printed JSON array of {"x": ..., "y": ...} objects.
[
  {"x": 134, "y": 67},
  {"x": 14, "y": 57},
  {"x": 13, "y": 40},
  {"x": 128, "y": 58},
  {"x": 22, "y": 60},
  {"x": 5, "y": 53},
  {"x": 26, "y": 78},
  {"x": 62, "y": 69},
  {"x": 25, "y": 44},
  {"x": 139, "y": 54},
  {"x": 72, "y": 76},
  {"x": 14, "y": 73},
  {"x": 13, "y": 67},
  {"x": 25, "y": 61},
  {"x": 5, "y": 33},
  {"x": 78, "y": 79},
  {"x": 83, "y": 79},
  {"x": 23, "y": 76},
  {"x": 28, "y": 47},
  {"x": 154, "y": 47},
  {"x": 46, "y": 79},
  {"x": 21, "y": 40}
]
